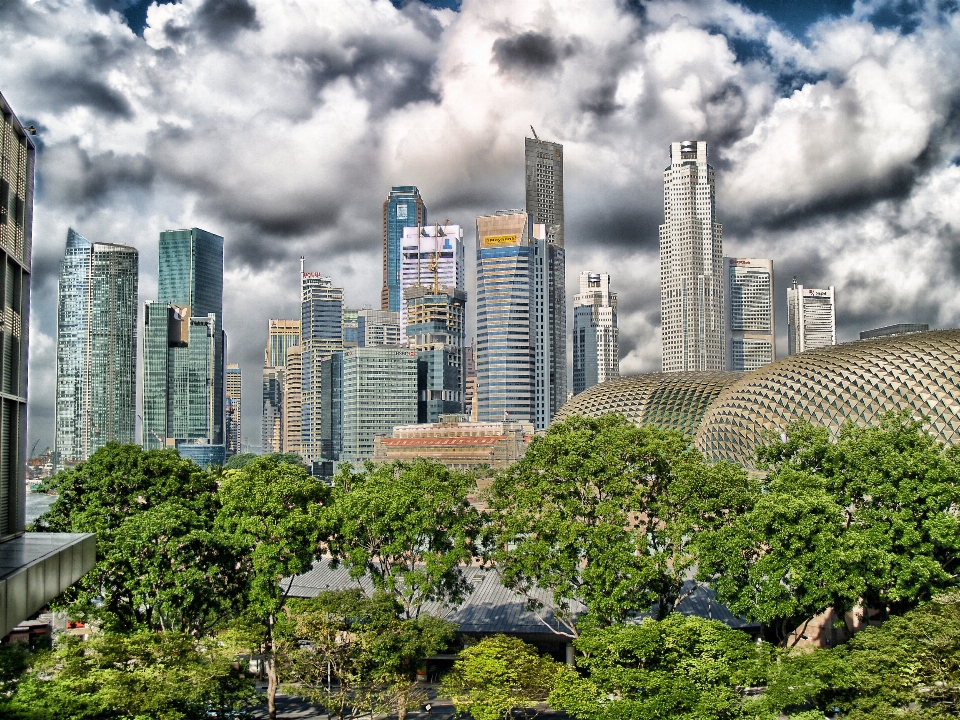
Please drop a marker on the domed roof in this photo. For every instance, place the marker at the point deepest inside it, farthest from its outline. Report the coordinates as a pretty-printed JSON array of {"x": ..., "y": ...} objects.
[
  {"x": 854, "y": 381},
  {"x": 673, "y": 401}
]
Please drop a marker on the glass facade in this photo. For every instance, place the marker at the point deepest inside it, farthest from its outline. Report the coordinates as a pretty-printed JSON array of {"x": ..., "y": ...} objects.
[
  {"x": 379, "y": 392},
  {"x": 505, "y": 325},
  {"x": 234, "y": 423},
  {"x": 403, "y": 208},
  {"x": 96, "y": 347},
  {"x": 184, "y": 343},
  {"x": 321, "y": 335},
  {"x": 436, "y": 331},
  {"x": 748, "y": 309}
]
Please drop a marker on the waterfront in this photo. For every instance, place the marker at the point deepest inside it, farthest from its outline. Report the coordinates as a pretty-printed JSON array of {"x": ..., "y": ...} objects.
[{"x": 37, "y": 504}]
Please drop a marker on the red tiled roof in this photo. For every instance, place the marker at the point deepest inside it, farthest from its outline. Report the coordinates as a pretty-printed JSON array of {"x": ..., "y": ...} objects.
[{"x": 428, "y": 441}]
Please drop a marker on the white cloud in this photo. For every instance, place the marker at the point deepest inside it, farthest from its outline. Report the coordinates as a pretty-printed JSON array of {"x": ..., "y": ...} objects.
[{"x": 281, "y": 125}]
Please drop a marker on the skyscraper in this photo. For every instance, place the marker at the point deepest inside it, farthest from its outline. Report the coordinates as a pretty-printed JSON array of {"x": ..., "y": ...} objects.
[
  {"x": 183, "y": 341},
  {"x": 378, "y": 327},
  {"x": 505, "y": 322},
  {"x": 470, "y": 381},
  {"x": 321, "y": 335},
  {"x": 811, "y": 318},
  {"x": 96, "y": 347},
  {"x": 596, "y": 349},
  {"x": 431, "y": 256},
  {"x": 748, "y": 313},
  {"x": 691, "y": 261},
  {"x": 234, "y": 383},
  {"x": 403, "y": 208},
  {"x": 292, "y": 401},
  {"x": 281, "y": 336},
  {"x": 544, "y": 195},
  {"x": 367, "y": 392},
  {"x": 436, "y": 331}
]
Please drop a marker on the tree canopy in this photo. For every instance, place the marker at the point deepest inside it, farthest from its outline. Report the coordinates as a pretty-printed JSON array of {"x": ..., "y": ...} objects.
[
  {"x": 409, "y": 526},
  {"x": 159, "y": 562},
  {"x": 596, "y": 513},
  {"x": 867, "y": 519}
]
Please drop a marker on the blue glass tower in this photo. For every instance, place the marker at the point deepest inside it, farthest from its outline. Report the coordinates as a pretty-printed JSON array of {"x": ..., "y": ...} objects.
[
  {"x": 321, "y": 335},
  {"x": 403, "y": 208},
  {"x": 184, "y": 344}
]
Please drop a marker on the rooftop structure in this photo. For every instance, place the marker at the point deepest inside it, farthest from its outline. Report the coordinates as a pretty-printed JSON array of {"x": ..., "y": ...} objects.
[
  {"x": 457, "y": 445},
  {"x": 890, "y": 330}
]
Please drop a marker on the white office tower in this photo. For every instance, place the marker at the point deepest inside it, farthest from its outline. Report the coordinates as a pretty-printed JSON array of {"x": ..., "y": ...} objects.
[
  {"x": 429, "y": 253},
  {"x": 811, "y": 318},
  {"x": 596, "y": 349},
  {"x": 748, "y": 310},
  {"x": 691, "y": 257}
]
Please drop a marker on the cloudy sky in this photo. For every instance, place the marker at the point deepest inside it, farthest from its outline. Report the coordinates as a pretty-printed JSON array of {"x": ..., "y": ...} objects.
[{"x": 281, "y": 125}]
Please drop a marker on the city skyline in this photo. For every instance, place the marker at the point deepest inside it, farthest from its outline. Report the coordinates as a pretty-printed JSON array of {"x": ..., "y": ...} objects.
[{"x": 791, "y": 110}]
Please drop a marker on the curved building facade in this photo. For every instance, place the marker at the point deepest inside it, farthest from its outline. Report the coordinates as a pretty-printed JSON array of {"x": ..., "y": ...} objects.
[
  {"x": 673, "y": 401},
  {"x": 828, "y": 386}
]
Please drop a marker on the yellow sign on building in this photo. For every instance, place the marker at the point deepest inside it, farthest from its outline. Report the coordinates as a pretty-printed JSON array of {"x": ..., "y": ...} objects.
[{"x": 500, "y": 240}]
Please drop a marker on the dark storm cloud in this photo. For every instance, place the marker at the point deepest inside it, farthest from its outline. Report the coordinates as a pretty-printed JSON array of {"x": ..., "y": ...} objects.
[
  {"x": 601, "y": 100},
  {"x": 73, "y": 177},
  {"x": 388, "y": 77},
  {"x": 530, "y": 52},
  {"x": 66, "y": 91},
  {"x": 221, "y": 20}
]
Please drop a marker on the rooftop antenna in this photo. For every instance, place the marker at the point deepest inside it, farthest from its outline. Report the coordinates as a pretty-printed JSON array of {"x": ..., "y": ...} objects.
[{"x": 534, "y": 133}]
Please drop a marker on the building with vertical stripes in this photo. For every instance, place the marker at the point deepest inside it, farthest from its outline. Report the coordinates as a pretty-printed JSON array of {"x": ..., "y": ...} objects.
[
  {"x": 403, "y": 208},
  {"x": 811, "y": 318},
  {"x": 748, "y": 313},
  {"x": 96, "y": 348},
  {"x": 321, "y": 335},
  {"x": 596, "y": 340},
  {"x": 691, "y": 261}
]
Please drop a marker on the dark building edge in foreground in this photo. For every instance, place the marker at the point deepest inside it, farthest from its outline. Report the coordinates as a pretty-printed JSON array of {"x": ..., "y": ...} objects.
[{"x": 34, "y": 567}]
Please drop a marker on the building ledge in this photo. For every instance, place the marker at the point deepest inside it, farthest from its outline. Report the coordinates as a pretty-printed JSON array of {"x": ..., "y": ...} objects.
[{"x": 36, "y": 567}]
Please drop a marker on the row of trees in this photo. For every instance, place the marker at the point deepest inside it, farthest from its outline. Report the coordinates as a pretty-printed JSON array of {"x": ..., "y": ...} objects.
[
  {"x": 690, "y": 668},
  {"x": 607, "y": 518}
]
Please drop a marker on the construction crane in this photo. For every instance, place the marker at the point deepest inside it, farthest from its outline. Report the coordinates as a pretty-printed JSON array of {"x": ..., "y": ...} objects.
[
  {"x": 534, "y": 133},
  {"x": 33, "y": 449}
]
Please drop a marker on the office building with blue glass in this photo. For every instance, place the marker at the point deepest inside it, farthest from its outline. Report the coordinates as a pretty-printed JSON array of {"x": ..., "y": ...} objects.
[
  {"x": 184, "y": 344},
  {"x": 96, "y": 347},
  {"x": 403, "y": 208}
]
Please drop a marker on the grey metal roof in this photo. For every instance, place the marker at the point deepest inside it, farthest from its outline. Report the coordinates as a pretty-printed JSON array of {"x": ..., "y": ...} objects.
[{"x": 492, "y": 608}]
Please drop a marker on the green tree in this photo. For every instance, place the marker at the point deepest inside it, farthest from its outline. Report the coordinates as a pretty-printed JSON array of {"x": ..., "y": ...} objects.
[
  {"x": 909, "y": 667},
  {"x": 159, "y": 561},
  {"x": 239, "y": 461},
  {"x": 866, "y": 519},
  {"x": 596, "y": 513},
  {"x": 409, "y": 525},
  {"x": 355, "y": 652},
  {"x": 498, "y": 675},
  {"x": 162, "y": 676},
  {"x": 679, "y": 667},
  {"x": 271, "y": 516}
]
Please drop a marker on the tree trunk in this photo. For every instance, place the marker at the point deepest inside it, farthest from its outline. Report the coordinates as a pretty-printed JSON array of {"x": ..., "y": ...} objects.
[{"x": 270, "y": 663}]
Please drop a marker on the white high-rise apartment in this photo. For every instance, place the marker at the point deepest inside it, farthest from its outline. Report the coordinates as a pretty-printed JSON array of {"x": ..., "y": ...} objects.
[
  {"x": 691, "y": 262},
  {"x": 596, "y": 349},
  {"x": 748, "y": 310},
  {"x": 811, "y": 318}
]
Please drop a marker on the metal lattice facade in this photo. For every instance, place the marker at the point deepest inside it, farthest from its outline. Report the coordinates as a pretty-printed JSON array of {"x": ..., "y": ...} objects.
[
  {"x": 729, "y": 414},
  {"x": 673, "y": 401}
]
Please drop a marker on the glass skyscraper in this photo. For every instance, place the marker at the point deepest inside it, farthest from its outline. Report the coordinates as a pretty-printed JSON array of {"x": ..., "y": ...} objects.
[
  {"x": 403, "y": 208},
  {"x": 505, "y": 328},
  {"x": 367, "y": 392},
  {"x": 748, "y": 312},
  {"x": 321, "y": 335},
  {"x": 281, "y": 336},
  {"x": 234, "y": 384},
  {"x": 184, "y": 342},
  {"x": 96, "y": 347}
]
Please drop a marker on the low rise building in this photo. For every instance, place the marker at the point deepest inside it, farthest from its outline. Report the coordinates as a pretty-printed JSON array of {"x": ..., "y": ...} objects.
[{"x": 457, "y": 445}]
